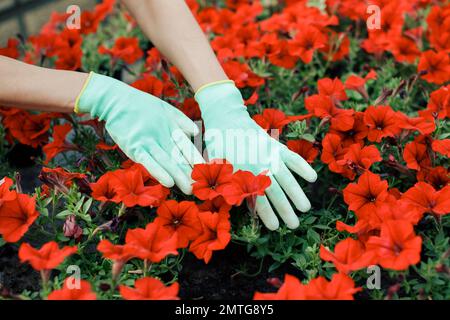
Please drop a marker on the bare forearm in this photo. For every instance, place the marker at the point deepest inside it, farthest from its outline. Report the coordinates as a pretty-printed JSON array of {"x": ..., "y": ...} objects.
[
  {"x": 172, "y": 28},
  {"x": 29, "y": 87}
]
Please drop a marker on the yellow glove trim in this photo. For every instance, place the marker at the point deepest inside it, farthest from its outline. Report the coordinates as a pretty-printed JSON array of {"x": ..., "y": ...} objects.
[
  {"x": 212, "y": 84},
  {"x": 77, "y": 101}
]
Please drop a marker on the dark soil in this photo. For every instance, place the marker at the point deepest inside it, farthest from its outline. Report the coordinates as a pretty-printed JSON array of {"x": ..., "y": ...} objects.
[
  {"x": 221, "y": 279},
  {"x": 15, "y": 276}
]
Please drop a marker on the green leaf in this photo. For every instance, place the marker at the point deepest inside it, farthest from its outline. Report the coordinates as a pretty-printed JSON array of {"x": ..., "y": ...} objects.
[
  {"x": 63, "y": 214},
  {"x": 313, "y": 235},
  {"x": 87, "y": 205}
]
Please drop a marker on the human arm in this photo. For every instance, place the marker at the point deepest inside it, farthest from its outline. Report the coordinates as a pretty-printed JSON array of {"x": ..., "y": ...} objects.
[
  {"x": 30, "y": 87},
  {"x": 172, "y": 28}
]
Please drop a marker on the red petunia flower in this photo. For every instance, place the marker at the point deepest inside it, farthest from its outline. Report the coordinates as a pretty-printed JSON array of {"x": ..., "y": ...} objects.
[
  {"x": 152, "y": 243},
  {"x": 272, "y": 119},
  {"x": 437, "y": 66},
  {"x": 154, "y": 86},
  {"x": 245, "y": 185},
  {"x": 416, "y": 156},
  {"x": 48, "y": 257},
  {"x": 442, "y": 147},
  {"x": 399, "y": 209},
  {"x": 28, "y": 129},
  {"x": 349, "y": 255},
  {"x": 397, "y": 247},
  {"x": 150, "y": 289},
  {"x": 427, "y": 199},
  {"x": 304, "y": 148},
  {"x": 307, "y": 40},
  {"x": 332, "y": 152},
  {"x": 365, "y": 196},
  {"x": 11, "y": 50},
  {"x": 191, "y": 109},
  {"x": 16, "y": 216},
  {"x": 438, "y": 105},
  {"x": 59, "y": 142},
  {"x": 120, "y": 254},
  {"x": 359, "y": 159},
  {"x": 425, "y": 125},
  {"x": 218, "y": 205},
  {"x": 215, "y": 235},
  {"x": 131, "y": 190},
  {"x": 404, "y": 49},
  {"x": 105, "y": 188},
  {"x": 438, "y": 177},
  {"x": 180, "y": 218},
  {"x": 126, "y": 49},
  {"x": 356, "y": 134},
  {"x": 5, "y": 193},
  {"x": 322, "y": 106},
  {"x": 211, "y": 179},
  {"x": 359, "y": 84},
  {"x": 292, "y": 289},
  {"x": 341, "y": 287},
  {"x": 382, "y": 122},
  {"x": 84, "y": 292},
  {"x": 333, "y": 88}
]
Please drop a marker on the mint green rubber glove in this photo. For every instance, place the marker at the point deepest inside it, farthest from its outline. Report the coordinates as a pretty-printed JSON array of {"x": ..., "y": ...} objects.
[
  {"x": 231, "y": 134},
  {"x": 148, "y": 130}
]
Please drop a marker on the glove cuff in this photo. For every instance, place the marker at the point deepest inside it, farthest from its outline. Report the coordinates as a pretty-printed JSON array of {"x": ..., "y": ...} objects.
[
  {"x": 99, "y": 95},
  {"x": 83, "y": 89},
  {"x": 219, "y": 98}
]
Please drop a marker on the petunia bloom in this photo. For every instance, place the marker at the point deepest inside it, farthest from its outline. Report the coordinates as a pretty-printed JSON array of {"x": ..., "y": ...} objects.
[
  {"x": 126, "y": 49},
  {"x": 16, "y": 216},
  {"x": 341, "y": 287},
  {"x": 245, "y": 185},
  {"x": 180, "y": 218},
  {"x": 442, "y": 147},
  {"x": 215, "y": 235},
  {"x": 382, "y": 122},
  {"x": 437, "y": 66},
  {"x": 152, "y": 243},
  {"x": 416, "y": 156},
  {"x": 48, "y": 257},
  {"x": 303, "y": 148},
  {"x": 84, "y": 292},
  {"x": 210, "y": 179},
  {"x": 150, "y": 289},
  {"x": 365, "y": 196},
  {"x": 292, "y": 289},
  {"x": 427, "y": 199},
  {"x": 349, "y": 255},
  {"x": 397, "y": 247},
  {"x": 119, "y": 254},
  {"x": 359, "y": 159}
]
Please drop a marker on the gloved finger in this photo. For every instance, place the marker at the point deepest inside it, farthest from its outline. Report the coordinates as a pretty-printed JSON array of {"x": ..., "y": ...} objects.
[
  {"x": 187, "y": 148},
  {"x": 266, "y": 214},
  {"x": 292, "y": 188},
  {"x": 157, "y": 172},
  {"x": 299, "y": 165},
  {"x": 172, "y": 166},
  {"x": 186, "y": 124},
  {"x": 179, "y": 159},
  {"x": 282, "y": 205}
]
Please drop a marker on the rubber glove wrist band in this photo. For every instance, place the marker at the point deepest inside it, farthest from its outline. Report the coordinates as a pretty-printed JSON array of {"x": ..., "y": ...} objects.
[
  {"x": 77, "y": 101},
  {"x": 219, "y": 99},
  {"x": 212, "y": 84}
]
